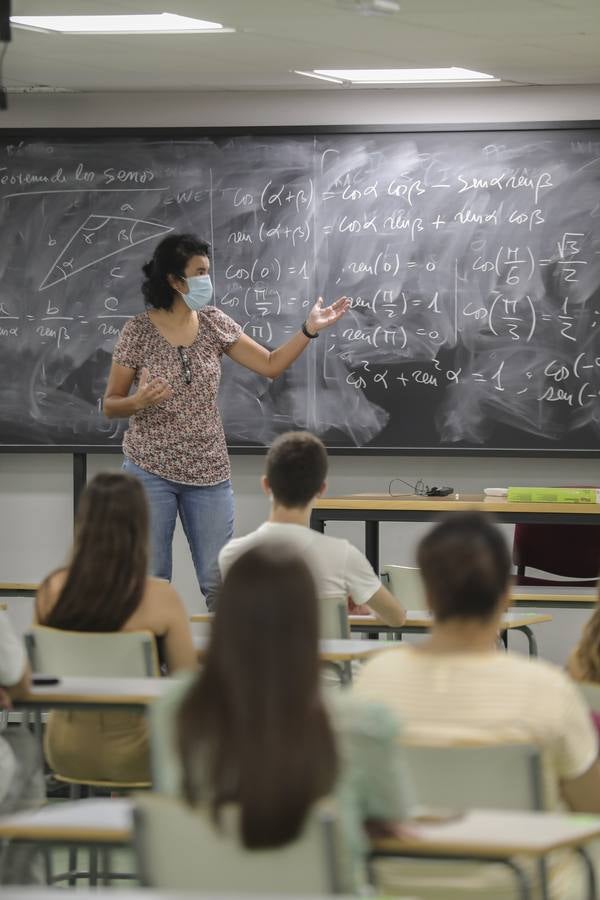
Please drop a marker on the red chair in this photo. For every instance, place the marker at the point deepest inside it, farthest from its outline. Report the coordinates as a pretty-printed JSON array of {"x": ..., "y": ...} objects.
[{"x": 572, "y": 551}]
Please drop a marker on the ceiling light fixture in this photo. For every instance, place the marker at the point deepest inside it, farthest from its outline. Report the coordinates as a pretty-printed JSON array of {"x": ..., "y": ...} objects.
[
  {"x": 160, "y": 23},
  {"x": 320, "y": 77},
  {"x": 449, "y": 75},
  {"x": 370, "y": 7}
]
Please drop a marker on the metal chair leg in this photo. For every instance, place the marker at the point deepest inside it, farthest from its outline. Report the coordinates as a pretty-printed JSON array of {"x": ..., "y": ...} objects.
[{"x": 74, "y": 794}]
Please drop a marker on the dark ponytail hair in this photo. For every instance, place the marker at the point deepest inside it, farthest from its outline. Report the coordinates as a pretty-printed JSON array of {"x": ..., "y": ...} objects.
[{"x": 170, "y": 258}]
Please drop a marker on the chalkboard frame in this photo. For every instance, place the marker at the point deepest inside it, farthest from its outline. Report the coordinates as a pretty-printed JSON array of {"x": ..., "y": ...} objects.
[{"x": 108, "y": 133}]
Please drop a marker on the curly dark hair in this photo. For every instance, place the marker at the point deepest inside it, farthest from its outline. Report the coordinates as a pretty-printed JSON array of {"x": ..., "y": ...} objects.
[{"x": 170, "y": 258}]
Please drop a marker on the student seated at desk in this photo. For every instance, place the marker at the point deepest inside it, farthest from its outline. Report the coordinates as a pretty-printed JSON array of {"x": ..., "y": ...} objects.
[
  {"x": 105, "y": 588},
  {"x": 457, "y": 688},
  {"x": 295, "y": 475},
  {"x": 253, "y": 728},
  {"x": 584, "y": 662},
  {"x": 22, "y": 785}
]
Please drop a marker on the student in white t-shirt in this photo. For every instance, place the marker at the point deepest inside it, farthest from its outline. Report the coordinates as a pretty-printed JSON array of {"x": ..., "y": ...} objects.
[
  {"x": 295, "y": 477},
  {"x": 456, "y": 688},
  {"x": 21, "y": 775}
]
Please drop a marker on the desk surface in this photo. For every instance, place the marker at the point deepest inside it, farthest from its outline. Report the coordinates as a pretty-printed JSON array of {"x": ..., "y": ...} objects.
[
  {"x": 330, "y": 650},
  {"x": 97, "y": 820},
  {"x": 96, "y": 692},
  {"x": 50, "y": 893},
  {"x": 423, "y": 619},
  {"x": 483, "y": 833},
  {"x": 554, "y": 595},
  {"x": 18, "y": 589},
  {"x": 497, "y": 833},
  {"x": 452, "y": 503},
  {"x": 415, "y": 618}
]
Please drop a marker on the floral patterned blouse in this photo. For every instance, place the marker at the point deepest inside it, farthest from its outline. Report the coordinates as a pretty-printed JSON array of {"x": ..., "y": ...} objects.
[{"x": 180, "y": 439}]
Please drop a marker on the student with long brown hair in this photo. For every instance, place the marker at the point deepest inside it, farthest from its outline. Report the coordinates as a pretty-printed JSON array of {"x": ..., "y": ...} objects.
[
  {"x": 584, "y": 661},
  {"x": 253, "y": 728},
  {"x": 105, "y": 588}
]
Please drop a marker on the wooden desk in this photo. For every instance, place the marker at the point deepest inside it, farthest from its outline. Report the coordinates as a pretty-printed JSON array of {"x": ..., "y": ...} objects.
[
  {"x": 486, "y": 835},
  {"x": 418, "y": 622},
  {"x": 497, "y": 836},
  {"x": 554, "y": 597},
  {"x": 375, "y": 508},
  {"x": 91, "y": 693},
  {"x": 17, "y": 589},
  {"x": 94, "y": 821},
  {"x": 37, "y": 893},
  {"x": 99, "y": 823},
  {"x": 330, "y": 650}
]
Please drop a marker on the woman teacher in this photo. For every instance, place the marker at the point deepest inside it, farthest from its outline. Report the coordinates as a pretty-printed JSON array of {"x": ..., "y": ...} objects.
[{"x": 175, "y": 443}]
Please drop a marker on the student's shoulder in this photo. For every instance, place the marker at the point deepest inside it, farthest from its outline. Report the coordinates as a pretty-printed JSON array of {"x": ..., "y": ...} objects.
[
  {"x": 356, "y": 717},
  {"x": 235, "y": 547},
  {"x": 538, "y": 673},
  {"x": 159, "y": 591},
  {"x": 337, "y": 545},
  {"x": 49, "y": 591}
]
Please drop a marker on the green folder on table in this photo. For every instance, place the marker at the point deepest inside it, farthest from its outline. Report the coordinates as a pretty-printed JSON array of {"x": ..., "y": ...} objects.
[{"x": 553, "y": 495}]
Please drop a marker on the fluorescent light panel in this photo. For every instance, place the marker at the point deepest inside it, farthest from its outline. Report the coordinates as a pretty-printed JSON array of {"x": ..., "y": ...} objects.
[
  {"x": 161, "y": 23},
  {"x": 451, "y": 74},
  {"x": 320, "y": 77}
]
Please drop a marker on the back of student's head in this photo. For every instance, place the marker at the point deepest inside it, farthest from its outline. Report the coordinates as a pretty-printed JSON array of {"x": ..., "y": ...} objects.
[
  {"x": 465, "y": 565},
  {"x": 107, "y": 574},
  {"x": 252, "y": 729},
  {"x": 296, "y": 468}
]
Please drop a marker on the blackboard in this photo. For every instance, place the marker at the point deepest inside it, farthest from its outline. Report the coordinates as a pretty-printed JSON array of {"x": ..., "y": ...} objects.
[{"x": 472, "y": 259}]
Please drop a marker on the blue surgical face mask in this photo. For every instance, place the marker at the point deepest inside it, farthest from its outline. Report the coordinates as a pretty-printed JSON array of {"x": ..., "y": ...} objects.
[{"x": 200, "y": 291}]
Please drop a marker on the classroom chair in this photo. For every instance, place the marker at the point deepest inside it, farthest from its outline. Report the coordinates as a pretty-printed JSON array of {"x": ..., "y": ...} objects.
[
  {"x": 179, "y": 848},
  {"x": 451, "y": 779},
  {"x": 125, "y": 654},
  {"x": 334, "y": 624},
  {"x": 333, "y": 618},
  {"x": 570, "y": 551},
  {"x": 406, "y": 584}
]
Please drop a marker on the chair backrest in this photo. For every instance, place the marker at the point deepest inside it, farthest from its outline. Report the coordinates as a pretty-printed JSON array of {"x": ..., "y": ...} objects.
[
  {"x": 591, "y": 694},
  {"x": 571, "y": 551},
  {"x": 499, "y": 776},
  {"x": 122, "y": 654},
  {"x": 179, "y": 848},
  {"x": 406, "y": 584},
  {"x": 333, "y": 618}
]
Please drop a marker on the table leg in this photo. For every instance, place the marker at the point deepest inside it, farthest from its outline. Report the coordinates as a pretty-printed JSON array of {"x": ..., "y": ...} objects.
[
  {"x": 589, "y": 864},
  {"x": 531, "y": 641},
  {"x": 523, "y": 884},
  {"x": 372, "y": 544},
  {"x": 317, "y": 524}
]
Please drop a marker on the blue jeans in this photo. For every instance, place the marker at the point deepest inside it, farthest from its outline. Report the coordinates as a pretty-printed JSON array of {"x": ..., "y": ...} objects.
[{"x": 206, "y": 513}]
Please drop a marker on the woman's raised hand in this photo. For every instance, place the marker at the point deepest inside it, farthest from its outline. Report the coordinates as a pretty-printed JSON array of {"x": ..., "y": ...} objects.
[
  {"x": 321, "y": 317},
  {"x": 151, "y": 391}
]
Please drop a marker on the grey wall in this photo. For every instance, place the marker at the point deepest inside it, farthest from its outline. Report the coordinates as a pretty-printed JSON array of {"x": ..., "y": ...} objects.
[{"x": 35, "y": 490}]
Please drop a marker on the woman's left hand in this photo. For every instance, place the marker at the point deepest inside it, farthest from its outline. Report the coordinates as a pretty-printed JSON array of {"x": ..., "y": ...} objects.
[{"x": 321, "y": 317}]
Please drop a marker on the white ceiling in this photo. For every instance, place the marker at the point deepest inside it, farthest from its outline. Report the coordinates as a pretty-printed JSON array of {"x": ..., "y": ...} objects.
[{"x": 521, "y": 41}]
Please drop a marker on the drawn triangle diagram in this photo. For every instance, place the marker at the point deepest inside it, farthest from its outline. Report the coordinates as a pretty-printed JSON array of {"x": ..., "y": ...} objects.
[{"x": 99, "y": 238}]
